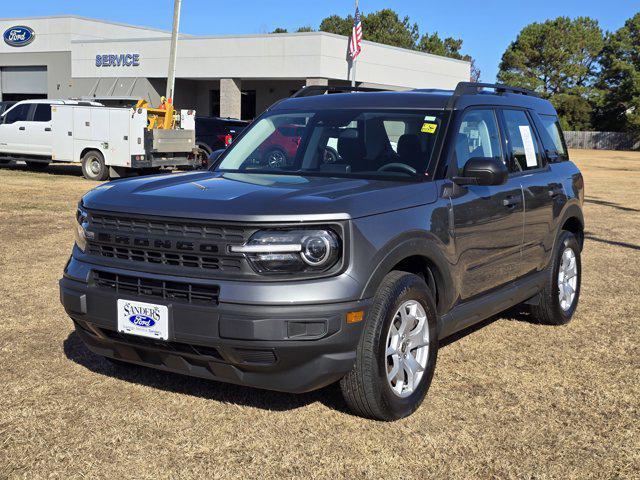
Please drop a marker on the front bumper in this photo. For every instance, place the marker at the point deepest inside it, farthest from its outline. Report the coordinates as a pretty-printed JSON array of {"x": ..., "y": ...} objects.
[{"x": 291, "y": 348}]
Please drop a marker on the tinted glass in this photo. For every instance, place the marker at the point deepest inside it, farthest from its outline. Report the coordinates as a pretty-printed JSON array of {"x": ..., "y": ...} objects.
[
  {"x": 521, "y": 140},
  {"x": 43, "y": 113},
  {"x": 17, "y": 114},
  {"x": 552, "y": 136},
  {"x": 478, "y": 136},
  {"x": 352, "y": 143}
]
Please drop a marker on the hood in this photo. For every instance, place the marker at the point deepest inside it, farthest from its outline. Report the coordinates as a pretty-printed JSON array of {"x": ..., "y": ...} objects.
[{"x": 255, "y": 197}]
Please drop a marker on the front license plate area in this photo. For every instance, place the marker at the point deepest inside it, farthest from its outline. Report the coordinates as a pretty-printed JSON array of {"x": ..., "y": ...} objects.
[{"x": 143, "y": 319}]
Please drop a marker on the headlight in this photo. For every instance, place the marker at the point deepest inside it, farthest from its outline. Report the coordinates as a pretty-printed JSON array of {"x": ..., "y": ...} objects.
[
  {"x": 81, "y": 229},
  {"x": 283, "y": 251}
]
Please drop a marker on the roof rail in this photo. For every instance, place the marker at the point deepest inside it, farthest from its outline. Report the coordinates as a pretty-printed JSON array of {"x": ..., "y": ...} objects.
[
  {"x": 472, "y": 88},
  {"x": 312, "y": 90}
]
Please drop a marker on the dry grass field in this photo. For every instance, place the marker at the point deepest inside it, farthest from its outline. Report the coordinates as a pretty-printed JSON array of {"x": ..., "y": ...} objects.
[{"x": 509, "y": 400}]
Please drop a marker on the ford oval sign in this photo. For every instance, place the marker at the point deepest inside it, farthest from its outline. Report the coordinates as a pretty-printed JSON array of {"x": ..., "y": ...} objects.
[
  {"x": 19, "y": 36},
  {"x": 142, "y": 321}
]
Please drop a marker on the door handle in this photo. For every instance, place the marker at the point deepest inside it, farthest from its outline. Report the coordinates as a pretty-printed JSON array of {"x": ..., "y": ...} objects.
[
  {"x": 511, "y": 201},
  {"x": 21, "y": 128},
  {"x": 47, "y": 129}
]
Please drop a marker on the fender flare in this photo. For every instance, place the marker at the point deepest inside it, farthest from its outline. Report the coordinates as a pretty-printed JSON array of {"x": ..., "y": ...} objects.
[{"x": 409, "y": 245}]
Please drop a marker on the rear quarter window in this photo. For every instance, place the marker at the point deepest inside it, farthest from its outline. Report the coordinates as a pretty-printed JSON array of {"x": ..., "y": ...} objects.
[{"x": 552, "y": 137}]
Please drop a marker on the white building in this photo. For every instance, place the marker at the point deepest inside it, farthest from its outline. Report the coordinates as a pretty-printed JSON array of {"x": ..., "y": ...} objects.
[{"x": 70, "y": 57}]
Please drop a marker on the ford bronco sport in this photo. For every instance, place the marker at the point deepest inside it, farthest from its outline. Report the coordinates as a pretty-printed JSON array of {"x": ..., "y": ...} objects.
[{"x": 440, "y": 209}]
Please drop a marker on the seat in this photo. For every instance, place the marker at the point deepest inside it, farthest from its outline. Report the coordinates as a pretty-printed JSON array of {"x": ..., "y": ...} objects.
[
  {"x": 352, "y": 150},
  {"x": 410, "y": 151},
  {"x": 462, "y": 150}
]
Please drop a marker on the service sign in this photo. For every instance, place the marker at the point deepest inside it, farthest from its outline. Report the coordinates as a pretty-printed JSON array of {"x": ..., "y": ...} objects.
[
  {"x": 118, "y": 60},
  {"x": 18, "y": 36}
]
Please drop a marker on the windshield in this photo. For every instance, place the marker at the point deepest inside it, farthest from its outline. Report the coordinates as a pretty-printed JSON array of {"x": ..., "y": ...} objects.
[{"x": 352, "y": 143}]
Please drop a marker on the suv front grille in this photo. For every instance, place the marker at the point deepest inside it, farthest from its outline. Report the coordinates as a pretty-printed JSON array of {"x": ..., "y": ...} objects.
[
  {"x": 164, "y": 258},
  {"x": 167, "y": 228},
  {"x": 167, "y": 246},
  {"x": 147, "y": 287}
]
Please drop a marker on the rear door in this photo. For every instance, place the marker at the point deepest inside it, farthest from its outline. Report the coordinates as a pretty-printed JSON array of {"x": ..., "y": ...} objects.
[
  {"x": 40, "y": 135},
  {"x": 487, "y": 221},
  {"x": 14, "y": 137},
  {"x": 539, "y": 186}
]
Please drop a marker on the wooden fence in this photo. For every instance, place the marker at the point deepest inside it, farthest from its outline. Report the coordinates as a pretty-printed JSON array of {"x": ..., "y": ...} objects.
[{"x": 602, "y": 140}]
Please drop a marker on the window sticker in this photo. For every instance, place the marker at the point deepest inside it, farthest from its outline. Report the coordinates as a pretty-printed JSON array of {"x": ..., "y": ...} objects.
[
  {"x": 429, "y": 118},
  {"x": 529, "y": 149},
  {"x": 429, "y": 128}
]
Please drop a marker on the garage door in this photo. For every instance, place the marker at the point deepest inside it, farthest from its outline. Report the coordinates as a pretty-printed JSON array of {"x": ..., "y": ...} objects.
[{"x": 23, "y": 80}]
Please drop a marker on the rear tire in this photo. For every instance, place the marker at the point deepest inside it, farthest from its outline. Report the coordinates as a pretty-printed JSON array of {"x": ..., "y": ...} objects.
[
  {"x": 37, "y": 166},
  {"x": 93, "y": 166},
  {"x": 394, "y": 364},
  {"x": 559, "y": 299},
  {"x": 5, "y": 162}
]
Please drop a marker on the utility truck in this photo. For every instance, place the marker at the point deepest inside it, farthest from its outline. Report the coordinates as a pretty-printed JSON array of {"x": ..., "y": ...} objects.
[{"x": 109, "y": 142}]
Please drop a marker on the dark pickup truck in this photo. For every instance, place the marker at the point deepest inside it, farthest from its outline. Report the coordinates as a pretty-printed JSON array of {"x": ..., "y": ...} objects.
[
  {"x": 215, "y": 133},
  {"x": 399, "y": 219}
]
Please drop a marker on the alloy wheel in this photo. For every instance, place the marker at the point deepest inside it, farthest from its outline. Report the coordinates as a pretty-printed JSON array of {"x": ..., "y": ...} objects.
[{"x": 407, "y": 348}]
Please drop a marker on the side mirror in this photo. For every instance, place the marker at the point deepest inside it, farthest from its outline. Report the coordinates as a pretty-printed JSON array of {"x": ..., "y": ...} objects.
[
  {"x": 484, "y": 171},
  {"x": 213, "y": 158}
]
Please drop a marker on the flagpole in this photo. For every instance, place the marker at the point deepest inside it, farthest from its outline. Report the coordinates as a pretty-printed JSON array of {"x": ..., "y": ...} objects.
[{"x": 355, "y": 62}]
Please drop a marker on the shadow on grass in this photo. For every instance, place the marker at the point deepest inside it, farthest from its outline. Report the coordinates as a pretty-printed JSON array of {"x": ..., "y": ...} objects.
[
  {"x": 76, "y": 351},
  {"x": 329, "y": 396},
  {"x": 51, "y": 169}
]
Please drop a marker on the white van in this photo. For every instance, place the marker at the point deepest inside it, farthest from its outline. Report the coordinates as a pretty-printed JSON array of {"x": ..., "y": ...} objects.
[
  {"x": 25, "y": 131},
  {"x": 108, "y": 141}
]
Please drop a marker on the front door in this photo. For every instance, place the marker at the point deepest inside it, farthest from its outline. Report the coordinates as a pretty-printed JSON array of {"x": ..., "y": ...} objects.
[
  {"x": 40, "y": 136},
  {"x": 14, "y": 134},
  {"x": 487, "y": 221}
]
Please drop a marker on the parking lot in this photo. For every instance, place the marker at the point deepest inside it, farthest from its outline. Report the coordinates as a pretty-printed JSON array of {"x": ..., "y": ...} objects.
[{"x": 509, "y": 399}]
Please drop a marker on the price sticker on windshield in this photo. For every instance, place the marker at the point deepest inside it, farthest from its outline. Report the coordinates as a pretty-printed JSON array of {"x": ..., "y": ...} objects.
[{"x": 429, "y": 127}]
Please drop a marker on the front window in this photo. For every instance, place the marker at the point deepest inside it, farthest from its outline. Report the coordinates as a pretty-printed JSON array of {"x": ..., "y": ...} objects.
[{"x": 344, "y": 143}]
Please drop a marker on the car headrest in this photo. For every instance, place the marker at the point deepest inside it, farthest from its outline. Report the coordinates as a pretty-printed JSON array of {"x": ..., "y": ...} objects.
[
  {"x": 409, "y": 146},
  {"x": 351, "y": 147}
]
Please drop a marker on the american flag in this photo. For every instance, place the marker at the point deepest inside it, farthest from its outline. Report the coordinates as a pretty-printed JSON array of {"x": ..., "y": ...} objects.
[{"x": 355, "y": 46}]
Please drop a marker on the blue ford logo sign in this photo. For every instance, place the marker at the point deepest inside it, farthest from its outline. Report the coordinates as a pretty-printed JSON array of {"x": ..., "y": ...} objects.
[
  {"x": 142, "y": 321},
  {"x": 18, "y": 36}
]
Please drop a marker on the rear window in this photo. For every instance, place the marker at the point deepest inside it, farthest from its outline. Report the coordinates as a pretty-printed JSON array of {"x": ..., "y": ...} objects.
[{"x": 43, "y": 113}]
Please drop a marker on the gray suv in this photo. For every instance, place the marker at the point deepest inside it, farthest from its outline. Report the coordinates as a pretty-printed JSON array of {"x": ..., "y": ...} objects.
[{"x": 399, "y": 219}]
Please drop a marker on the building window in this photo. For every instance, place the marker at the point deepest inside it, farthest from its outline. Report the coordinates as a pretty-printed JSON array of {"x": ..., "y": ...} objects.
[
  {"x": 248, "y": 105},
  {"x": 214, "y": 103}
]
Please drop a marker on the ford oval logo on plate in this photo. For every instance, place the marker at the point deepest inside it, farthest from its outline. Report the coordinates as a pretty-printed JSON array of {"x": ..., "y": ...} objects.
[
  {"x": 142, "y": 321},
  {"x": 19, "y": 36}
]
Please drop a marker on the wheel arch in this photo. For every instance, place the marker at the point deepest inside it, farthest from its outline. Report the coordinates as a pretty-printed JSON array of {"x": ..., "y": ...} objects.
[
  {"x": 422, "y": 257},
  {"x": 86, "y": 150},
  {"x": 573, "y": 221}
]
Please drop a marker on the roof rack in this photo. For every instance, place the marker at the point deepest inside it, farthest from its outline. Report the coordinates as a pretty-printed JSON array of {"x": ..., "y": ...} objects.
[
  {"x": 472, "y": 88},
  {"x": 312, "y": 90}
]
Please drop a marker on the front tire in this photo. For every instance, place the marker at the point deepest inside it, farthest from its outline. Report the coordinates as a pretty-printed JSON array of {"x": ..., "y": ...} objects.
[
  {"x": 396, "y": 355},
  {"x": 94, "y": 167},
  {"x": 559, "y": 299}
]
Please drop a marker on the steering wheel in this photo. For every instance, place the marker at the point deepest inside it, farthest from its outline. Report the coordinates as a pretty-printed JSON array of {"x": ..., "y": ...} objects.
[{"x": 398, "y": 166}]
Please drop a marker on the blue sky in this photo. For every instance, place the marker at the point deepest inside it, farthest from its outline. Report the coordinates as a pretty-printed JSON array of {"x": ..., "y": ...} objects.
[{"x": 487, "y": 27}]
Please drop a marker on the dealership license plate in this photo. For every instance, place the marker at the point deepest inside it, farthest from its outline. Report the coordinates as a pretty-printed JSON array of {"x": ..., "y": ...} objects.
[{"x": 143, "y": 319}]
